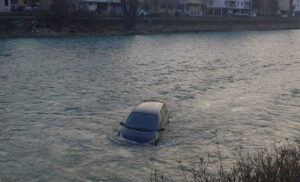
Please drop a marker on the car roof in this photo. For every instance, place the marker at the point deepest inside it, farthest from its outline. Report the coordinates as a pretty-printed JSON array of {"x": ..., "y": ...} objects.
[{"x": 150, "y": 107}]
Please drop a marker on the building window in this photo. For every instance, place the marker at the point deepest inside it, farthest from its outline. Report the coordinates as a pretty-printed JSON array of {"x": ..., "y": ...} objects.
[{"x": 6, "y": 3}]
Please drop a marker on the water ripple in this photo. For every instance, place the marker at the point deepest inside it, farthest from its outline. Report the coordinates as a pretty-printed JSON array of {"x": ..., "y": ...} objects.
[{"x": 62, "y": 98}]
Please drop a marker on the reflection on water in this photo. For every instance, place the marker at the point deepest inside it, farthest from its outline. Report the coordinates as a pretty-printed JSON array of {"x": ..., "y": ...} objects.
[{"x": 61, "y": 100}]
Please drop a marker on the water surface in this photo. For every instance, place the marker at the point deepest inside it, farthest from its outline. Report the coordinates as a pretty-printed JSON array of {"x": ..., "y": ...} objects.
[{"x": 61, "y": 100}]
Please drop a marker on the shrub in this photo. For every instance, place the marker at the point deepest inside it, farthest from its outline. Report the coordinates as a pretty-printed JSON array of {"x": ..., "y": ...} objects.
[{"x": 280, "y": 164}]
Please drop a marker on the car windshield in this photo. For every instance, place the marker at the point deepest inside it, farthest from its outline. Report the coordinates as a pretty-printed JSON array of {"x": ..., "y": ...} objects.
[{"x": 142, "y": 121}]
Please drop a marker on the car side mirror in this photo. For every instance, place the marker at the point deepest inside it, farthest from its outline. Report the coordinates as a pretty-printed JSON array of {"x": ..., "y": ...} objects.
[
  {"x": 162, "y": 129},
  {"x": 121, "y": 123}
]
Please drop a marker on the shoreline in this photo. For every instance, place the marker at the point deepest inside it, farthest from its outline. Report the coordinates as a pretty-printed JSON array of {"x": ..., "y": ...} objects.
[
  {"x": 60, "y": 34},
  {"x": 17, "y": 27}
]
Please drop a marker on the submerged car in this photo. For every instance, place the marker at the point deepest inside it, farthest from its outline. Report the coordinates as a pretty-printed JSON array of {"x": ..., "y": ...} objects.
[{"x": 146, "y": 122}]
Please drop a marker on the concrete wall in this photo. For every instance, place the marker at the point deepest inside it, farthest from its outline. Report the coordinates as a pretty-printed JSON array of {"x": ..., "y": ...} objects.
[{"x": 3, "y": 7}]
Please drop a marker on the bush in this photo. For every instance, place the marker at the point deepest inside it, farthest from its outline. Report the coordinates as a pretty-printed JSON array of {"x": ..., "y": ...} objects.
[{"x": 281, "y": 164}]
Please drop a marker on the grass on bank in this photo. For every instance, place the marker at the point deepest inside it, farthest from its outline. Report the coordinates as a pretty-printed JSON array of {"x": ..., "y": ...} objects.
[{"x": 280, "y": 164}]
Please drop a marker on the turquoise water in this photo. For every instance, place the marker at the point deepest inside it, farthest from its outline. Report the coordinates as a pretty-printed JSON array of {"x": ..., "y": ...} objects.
[{"x": 61, "y": 100}]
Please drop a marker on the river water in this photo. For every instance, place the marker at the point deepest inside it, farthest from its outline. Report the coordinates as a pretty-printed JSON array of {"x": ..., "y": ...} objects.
[{"x": 61, "y": 100}]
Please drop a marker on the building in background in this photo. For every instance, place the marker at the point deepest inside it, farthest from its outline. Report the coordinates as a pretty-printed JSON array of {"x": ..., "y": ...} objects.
[
  {"x": 5, "y": 6},
  {"x": 28, "y": 5},
  {"x": 284, "y": 7},
  {"x": 216, "y": 7},
  {"x": 238, "y": 7},
  {"x": 228, "y": 7},
  {"x": 14, "y": 5},
  {"x": 296, "y": 6},
  {"x": 17, "y": 5},
  {"x": 190, "y": 7},
  {"x": 173, "y": 7},
  {"x": 167, "y": 7},
  {"x": 101, "y": 6}
]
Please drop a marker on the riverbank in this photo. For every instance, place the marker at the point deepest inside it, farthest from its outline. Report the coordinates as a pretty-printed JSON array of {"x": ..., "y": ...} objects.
[
  {"x": 281, "y": 163},
  {"x": 24, "y": 26}
]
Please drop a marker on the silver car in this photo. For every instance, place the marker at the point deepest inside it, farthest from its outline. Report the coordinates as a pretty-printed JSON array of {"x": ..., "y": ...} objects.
[{"x": 146, "y": 122}]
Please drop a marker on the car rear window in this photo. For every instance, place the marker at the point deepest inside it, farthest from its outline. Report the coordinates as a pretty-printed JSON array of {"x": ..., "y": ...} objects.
[{"x": 142, "y": 121}]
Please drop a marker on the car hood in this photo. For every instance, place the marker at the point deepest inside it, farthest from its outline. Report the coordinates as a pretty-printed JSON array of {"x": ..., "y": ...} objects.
[{"x": 137, "y": 136}]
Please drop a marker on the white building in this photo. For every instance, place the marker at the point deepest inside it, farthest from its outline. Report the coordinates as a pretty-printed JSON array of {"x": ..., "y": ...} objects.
[
  {"x": 167, "y": 6},
  {"x": 238, "y": 6},
  {"x": 225, "y": 7},
  {"x": 284, "y": 7},
  {"x": 191, "y": 7},
  {"x": 5, "y": 6},
  {"x": 101, "y": 6},
  {"x": 296, "y": 4},
  {"x": 216, "y": 7}
]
